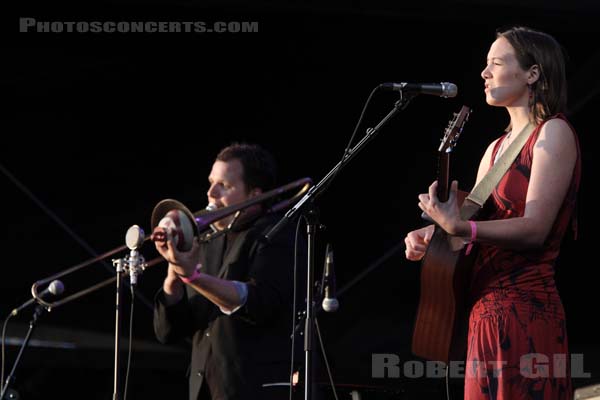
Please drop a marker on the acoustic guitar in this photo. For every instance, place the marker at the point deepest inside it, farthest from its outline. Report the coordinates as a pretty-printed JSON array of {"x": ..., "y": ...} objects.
[{"x": 440, "y": 331}]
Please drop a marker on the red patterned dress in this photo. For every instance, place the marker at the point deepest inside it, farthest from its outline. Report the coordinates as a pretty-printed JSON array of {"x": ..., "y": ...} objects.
[{"x": 517, "y": 345}]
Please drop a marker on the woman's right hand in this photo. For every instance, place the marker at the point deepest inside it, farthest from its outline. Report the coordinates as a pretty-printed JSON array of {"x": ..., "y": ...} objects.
[{"x": 417, "y": 241}]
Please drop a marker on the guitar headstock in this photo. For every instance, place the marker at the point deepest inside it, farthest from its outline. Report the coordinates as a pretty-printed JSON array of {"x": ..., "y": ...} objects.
[{"x": 454, "y": 129}]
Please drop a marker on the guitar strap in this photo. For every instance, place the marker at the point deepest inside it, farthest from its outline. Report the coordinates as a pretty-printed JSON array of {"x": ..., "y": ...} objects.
[{"x": 482, "y": 191}]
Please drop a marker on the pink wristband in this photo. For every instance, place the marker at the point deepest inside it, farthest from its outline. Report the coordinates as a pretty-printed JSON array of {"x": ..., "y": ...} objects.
[
  {"x": 473, "y": 237},
  {"x": 193, "y": 277}
]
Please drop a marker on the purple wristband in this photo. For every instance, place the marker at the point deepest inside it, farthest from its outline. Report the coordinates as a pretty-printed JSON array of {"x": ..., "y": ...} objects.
[{"x": 193, "y": 277}]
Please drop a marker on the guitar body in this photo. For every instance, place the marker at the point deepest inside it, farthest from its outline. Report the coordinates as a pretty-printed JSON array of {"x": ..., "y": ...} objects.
[{"x": 441, "y": 325}]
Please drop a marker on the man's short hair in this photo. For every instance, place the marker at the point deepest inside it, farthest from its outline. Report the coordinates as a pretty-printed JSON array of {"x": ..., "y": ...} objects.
[{"x": 260, "y": 170}]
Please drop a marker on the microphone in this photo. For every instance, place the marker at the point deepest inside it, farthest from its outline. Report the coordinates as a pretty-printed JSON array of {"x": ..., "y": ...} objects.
[
  {"x": 55, "y": 287},
  {"x": 330, "y": 303},
  {"x": 134, "y": 239},
  {"x": 442, "y": 89}
]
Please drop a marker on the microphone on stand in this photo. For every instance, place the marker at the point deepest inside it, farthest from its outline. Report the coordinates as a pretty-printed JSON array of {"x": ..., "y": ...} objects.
[
  {"x": 55, "y": 288},
  {"x": 134, "y": 239},
  {"x": 330, "y": 302},
  {"x": 442, "y": 89}
]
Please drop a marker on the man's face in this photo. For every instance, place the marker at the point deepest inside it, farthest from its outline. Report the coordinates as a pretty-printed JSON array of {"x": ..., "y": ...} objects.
[{"x": 227, "y": 187}]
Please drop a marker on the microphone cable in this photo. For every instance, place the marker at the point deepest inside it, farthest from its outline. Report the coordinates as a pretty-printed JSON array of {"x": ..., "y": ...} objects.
[
  {"x": 362, "y": 115},
  {"x": 325, "y": 359},
  {"x": 130, "y": 345},
  {"x": 447, "y": 382},
  {"x": 348, "y": 146},
  {"x": 3, "y": 351}
]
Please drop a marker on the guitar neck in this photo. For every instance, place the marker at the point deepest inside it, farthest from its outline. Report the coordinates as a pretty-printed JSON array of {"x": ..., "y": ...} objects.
[{"x": 443, "y": 176}]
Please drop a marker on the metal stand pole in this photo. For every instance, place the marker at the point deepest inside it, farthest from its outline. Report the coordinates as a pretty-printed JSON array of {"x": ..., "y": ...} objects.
[{"x": 36, "y": 314}]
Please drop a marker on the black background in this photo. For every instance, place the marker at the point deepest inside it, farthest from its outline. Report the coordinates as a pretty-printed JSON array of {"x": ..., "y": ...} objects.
[{"x": 98, "y": 128}]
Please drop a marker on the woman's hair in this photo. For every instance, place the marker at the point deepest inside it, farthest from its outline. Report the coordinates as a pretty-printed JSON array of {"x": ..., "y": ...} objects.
[
  {"x": 259, "y": 166},
  {"x": 549, "y": 92}
]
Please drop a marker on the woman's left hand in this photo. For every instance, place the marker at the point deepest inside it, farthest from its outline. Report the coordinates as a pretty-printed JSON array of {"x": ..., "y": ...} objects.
[{"x": 446, "y": 215}]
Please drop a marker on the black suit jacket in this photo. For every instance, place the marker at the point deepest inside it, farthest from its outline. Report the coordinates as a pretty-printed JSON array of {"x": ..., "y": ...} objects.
[{"x": 238, "y": 353}]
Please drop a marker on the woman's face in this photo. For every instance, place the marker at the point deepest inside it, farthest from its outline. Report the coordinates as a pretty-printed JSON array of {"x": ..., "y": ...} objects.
[{"x": 505, "y": 81}]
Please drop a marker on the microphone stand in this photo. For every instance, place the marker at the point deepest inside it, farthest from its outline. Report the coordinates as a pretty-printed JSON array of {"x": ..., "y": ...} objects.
[
  {"x": 134, "y": 265},
  {"x": 120, "y": 269},
  {"x": 312, "y": 223},
  {"x": 36, "y": 314}
]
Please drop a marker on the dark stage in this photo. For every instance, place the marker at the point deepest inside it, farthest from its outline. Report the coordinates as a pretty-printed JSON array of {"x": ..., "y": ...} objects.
[{"x": 99, "y": 127}]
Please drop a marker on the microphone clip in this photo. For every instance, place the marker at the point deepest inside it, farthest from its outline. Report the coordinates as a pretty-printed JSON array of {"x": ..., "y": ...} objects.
[{"x": 133, "y": 265}]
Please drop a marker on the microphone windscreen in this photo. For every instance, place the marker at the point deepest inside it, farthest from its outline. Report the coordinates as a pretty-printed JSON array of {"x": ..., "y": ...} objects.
[
  {"x": 56, "y": 287},
  {"x": 330, "y": 304},
  {"x": 134, "y": 238}
]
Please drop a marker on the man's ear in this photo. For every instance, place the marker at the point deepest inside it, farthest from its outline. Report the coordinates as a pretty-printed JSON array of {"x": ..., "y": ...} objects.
[{"x": 533, "y": 74}]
